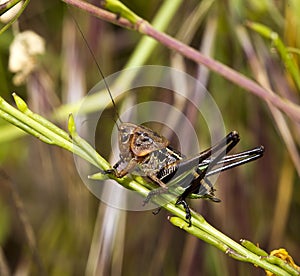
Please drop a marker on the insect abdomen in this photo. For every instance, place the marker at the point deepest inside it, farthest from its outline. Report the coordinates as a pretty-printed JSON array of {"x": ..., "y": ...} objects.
[{"x": 168, "y": 158}]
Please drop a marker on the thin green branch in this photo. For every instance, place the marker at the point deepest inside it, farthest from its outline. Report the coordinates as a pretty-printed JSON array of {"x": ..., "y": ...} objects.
[
  {"x": 121, "y": 10},
  {"x": 7, "y": 26},
  {"x": 41, "y": 128},
  {"x": 208, "y": 233},
  {"x": 8, "y": 5},
  {"x": 284, "y": 52}
]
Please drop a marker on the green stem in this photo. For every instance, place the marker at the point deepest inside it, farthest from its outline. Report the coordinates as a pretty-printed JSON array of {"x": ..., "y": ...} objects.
[
  {"x": 249, "y": 256},
  {"x": 16, "y": 17},
  {"x": 178, "y": 222},
  {"x": 121, "y": 10},
  {"x": 8, "y": 5},
  {"x": 284, "y": 53},
  {"x": 51, "y": 134},
  {"x": 97, "y": 160},
  {"x": 39, "y": 127},
  {"x": 208, "y": 233}
]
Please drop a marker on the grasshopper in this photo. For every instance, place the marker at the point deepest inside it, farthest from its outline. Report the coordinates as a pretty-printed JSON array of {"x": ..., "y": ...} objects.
[{"x": 148, "y": 153}]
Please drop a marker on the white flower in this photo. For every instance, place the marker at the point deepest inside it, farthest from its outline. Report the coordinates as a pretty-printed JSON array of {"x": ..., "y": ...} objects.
[{"x": 23, "y": 54}]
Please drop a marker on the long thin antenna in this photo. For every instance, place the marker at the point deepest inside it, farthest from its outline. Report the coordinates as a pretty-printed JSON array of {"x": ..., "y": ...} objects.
[{"x": 98, "y": 66}]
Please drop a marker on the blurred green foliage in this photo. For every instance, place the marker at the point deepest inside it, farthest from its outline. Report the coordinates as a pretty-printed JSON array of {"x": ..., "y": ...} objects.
[{"x": 61, "y": 232}]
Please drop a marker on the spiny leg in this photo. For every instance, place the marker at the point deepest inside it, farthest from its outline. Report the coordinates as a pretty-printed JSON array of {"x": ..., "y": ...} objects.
[
  {"x": 188, "y": 216},
  {"x": 162, "y": 190},
  {"x": 153, "y": 193},
  {"x": 230, "y": 140}
]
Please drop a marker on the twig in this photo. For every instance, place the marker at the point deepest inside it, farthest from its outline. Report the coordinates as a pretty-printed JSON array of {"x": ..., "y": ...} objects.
[
  {"x": 288, "y": 107},
  {"x": 49, "y": 133}
]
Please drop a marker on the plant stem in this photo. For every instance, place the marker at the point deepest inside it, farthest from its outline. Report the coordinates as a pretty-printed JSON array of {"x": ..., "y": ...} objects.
[
  {"x": 39, "y": 127},
  {"x": 288, "y": 107},
  {"x": 15, "y": 17},
  {"x": 284, "y": 53}
]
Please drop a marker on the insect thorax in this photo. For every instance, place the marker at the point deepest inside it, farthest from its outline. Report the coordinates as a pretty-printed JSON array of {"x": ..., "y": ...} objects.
[{"x": 146, "y": 153}]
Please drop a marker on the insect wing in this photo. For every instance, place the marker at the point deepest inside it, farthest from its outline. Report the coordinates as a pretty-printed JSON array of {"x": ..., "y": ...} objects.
[{"x": 232, "y": 161}]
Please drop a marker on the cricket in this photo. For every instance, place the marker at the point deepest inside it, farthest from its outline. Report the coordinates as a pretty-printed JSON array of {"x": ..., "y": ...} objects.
[{"x": 146, "y": 152}]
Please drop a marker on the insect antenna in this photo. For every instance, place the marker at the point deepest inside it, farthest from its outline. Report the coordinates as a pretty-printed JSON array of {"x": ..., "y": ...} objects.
[{"x": 98, "y": 67}]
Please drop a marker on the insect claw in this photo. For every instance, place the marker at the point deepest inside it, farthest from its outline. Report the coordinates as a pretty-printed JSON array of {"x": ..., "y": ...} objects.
[
  {"x": 110, "y": 171},
  {"x": 155, "y": 212},
  {"x": 186, "y": 207}
]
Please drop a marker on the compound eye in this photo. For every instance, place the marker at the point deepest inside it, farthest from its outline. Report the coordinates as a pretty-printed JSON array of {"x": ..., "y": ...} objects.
[
  {"x": 143, "y": 140},
  {"x": 124, "y": 137}
]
